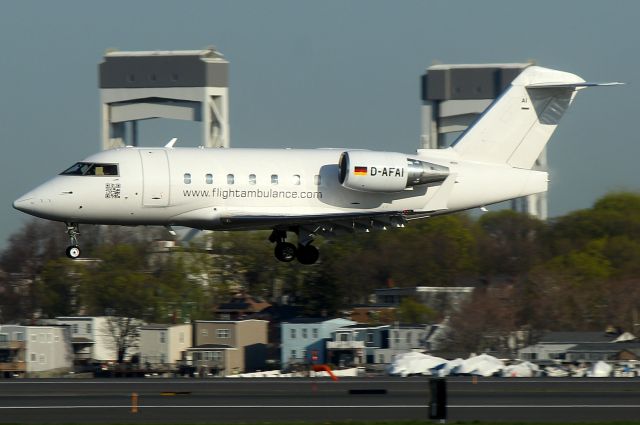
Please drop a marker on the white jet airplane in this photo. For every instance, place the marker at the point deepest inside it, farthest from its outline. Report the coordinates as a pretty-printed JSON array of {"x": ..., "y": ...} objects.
[{"x": 319, "y": 191}]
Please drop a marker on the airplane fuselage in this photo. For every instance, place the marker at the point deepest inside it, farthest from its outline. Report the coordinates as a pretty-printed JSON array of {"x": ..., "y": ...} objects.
[{"x": 207, "y": 188}]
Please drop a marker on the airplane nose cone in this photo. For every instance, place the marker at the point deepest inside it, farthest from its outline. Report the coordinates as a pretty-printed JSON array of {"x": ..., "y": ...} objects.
[
  {"x": 33, "y": 203},
  {"x": 23, "y": 204}
]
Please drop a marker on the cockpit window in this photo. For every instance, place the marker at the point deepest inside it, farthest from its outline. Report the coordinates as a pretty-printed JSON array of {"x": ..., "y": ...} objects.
[{"x": 91, "y": 169}]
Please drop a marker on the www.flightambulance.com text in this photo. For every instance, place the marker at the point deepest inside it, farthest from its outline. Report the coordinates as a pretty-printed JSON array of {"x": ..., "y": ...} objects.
[{"x": 257, "y": 193}]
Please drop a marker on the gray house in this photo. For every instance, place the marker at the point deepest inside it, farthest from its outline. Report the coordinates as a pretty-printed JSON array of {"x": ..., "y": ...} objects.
[
  {"x": 162, "y": 344},
  {"x": 303, "y": 339},
  {"x": 579, "y": 347},
  {"x": 406, "y": 338},
  {"x": 357, "y": 344},
  {"x": 229, "y": 346},
  {"x": 35, "y": 350}
]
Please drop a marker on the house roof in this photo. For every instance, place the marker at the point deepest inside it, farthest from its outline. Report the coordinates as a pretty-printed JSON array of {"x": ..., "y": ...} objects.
[
  {"x": 210, "y": 347},
  {"x": 69, "y": 318},
  {"x": 244, "y": 303},
  {"x": 634, "y": 351},
  {"x": 374, "y": 306},
  {"x": 417, "y": 326},
  {"x": 157, "y": 326},
  {"x": 362, "y": 326},
  {"x": 604, "y": 347},
  {"x": 281, "y": 312},
  {"x": 308, "y": 320},
  {"x": 234, "y": 306},
  {"x": 229, "y": 321},
  {"x": 81, "y": 340},
  {"x": 576, "y": 337}
]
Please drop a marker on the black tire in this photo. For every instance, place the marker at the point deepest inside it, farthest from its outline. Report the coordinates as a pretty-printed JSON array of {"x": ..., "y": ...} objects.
[
  {"x": 308, "y": 254},
  {"x": 285, "y": 251},
  {"x": 73, "y": 252}
]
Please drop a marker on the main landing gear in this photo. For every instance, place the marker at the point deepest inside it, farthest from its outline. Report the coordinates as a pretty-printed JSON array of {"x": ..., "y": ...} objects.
[
  {"x": 73, "y": 251},
  {"x": 287, "y": 252}
]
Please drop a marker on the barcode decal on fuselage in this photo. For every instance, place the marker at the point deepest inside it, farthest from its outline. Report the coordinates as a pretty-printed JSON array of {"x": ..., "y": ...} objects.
[{"x": 112, "y": 190}]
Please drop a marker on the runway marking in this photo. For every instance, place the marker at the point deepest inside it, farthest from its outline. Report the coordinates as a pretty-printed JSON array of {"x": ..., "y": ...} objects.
[
  {"x": 376, "y": 406},
  {"x": 425, "y": 379},
  {"x": 544, "y": 406}
]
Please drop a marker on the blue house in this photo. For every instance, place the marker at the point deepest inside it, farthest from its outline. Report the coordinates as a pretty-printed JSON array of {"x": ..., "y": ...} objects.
[{"x": 304, "y": 339}]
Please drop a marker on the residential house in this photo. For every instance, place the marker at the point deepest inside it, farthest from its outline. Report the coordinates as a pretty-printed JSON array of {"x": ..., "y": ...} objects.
[
  {"x": 374, "y": 314},
  {"x": 164, "y": 345},
  {"x": 229, "y": 346},
  {"x": 406, "y": 338},
  {"x": 444, "y": 300},
  {"x": 589, "y": 353},
  {"x": 241, "y": 306},
  {"x": 34, "y": 350},
  {"x": 275, "y": 315},
  {"x": 581, "y": 347},
  {"x": 94, "y": 338},
  {"x": 357, "y": 344},
  {"x": 303, "y": 339}
]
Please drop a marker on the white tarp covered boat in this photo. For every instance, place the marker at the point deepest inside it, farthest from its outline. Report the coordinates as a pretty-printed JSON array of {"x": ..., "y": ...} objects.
[
  {"x": 600, "y": 370},
  {"x": 521, "y": 370},
  {"x": 413, "y": 363},
  {"x": 482, "y": 365}
]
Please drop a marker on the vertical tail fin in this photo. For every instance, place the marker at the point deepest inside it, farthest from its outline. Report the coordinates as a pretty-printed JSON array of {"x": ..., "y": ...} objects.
[{"x": 516, "y": 127}]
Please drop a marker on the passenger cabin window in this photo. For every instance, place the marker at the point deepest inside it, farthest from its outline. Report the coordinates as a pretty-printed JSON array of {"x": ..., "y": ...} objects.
[
  {"x": 230, "y": 179},
  {"x": 91, "y": 169},
  {"x": 209, "y": 178},
  {"x": 252, "y": 179},
  {"x": 187, "y": 178},
  {"x": 274, "y": 179},
  {"x": 296, "y": 179},
  {"x": 316, "y": 179}
]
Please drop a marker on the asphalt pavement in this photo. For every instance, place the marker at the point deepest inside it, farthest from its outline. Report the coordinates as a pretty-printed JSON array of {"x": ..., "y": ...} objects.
[{"x": 313, "y": 400}]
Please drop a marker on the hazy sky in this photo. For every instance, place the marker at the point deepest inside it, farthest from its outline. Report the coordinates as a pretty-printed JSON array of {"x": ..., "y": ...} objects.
[{"x": 316, "y": 74}]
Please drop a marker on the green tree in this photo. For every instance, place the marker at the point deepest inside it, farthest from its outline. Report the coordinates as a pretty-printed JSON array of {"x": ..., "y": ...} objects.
[
  {"x": 616, "y": 214},
  {"x": 412, "y": 311},
  {"x": 509, "y": 243},
  {"x": 57, "y": 288}
]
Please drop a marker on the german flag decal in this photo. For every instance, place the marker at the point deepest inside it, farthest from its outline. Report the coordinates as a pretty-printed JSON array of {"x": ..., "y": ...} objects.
[{"x": 360, "y": 171}]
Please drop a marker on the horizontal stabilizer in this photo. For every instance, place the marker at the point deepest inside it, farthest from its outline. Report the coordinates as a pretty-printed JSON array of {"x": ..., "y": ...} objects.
[
  {"x": 569, "y": 85},
  {"x": 516, "y": 127}
]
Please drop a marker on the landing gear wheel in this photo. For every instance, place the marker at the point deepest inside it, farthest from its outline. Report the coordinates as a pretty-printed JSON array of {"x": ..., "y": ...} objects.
[
  {"x": 73, "y": 252},
  {"x": 285, "y": 251},
  {"x": 308, "y": 254}
]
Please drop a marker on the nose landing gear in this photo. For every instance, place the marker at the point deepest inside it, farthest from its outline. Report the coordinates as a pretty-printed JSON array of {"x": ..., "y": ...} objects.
[{"x": 73, "y": 230}]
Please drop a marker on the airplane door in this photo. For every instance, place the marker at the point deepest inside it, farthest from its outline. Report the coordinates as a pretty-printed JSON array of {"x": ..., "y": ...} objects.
[{"x": 155, "y": 177}]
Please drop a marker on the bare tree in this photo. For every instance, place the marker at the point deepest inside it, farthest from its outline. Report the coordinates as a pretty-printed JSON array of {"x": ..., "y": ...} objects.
[{"x": 123, "y": 335}]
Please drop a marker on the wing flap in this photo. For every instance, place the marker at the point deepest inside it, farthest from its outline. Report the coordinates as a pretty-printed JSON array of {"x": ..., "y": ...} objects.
[{"x": 344, "y": 220}]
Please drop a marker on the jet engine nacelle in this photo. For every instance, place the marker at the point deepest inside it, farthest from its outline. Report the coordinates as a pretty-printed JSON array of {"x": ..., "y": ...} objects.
[{"x": 368, "y": 171}]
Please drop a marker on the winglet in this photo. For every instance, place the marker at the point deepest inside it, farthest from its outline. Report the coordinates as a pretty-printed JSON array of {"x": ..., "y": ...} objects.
[{"x": 171, "y": 143}]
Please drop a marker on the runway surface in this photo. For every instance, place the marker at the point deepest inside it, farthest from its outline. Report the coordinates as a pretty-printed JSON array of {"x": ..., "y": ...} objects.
[{"x": 314, "y": 400}]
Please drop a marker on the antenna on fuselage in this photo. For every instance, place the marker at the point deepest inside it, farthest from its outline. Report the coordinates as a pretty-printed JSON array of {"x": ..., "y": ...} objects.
[{"x": 171, "y": 143}]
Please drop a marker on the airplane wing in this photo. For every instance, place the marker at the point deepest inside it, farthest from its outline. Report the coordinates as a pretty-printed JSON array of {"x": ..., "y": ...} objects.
[{"x": 324, "y": 223}]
